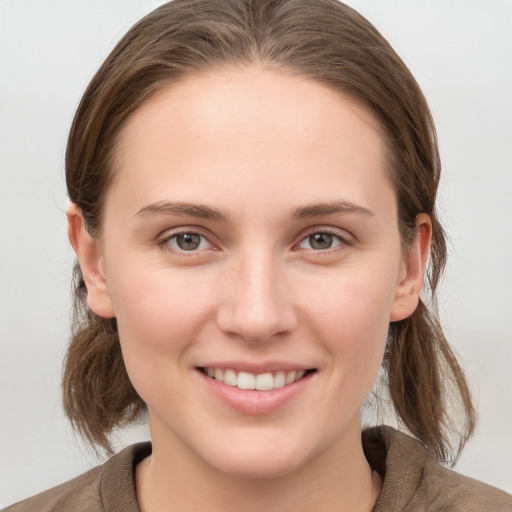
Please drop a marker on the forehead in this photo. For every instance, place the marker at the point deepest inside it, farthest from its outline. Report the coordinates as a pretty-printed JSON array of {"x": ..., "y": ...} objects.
[
  {"x": 249, "y": 99},
  {"x": 250, "y": 129}
]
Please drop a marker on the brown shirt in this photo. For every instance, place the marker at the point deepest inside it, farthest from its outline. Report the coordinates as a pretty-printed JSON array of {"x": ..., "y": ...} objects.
[{"x": 412, "y": 482}]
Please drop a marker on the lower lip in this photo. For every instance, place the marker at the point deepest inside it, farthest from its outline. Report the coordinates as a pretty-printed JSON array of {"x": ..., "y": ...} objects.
[{"x": 254, "y": 402}]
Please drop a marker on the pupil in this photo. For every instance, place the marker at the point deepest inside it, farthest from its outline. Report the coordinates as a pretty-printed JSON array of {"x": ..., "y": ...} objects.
[
  {"x": 320, "y": 241},
  {"x": 188, "y": 241}
]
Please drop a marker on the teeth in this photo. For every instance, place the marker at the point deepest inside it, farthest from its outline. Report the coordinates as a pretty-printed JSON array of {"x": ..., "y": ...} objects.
[
  {"x": 264, "y": 382},
  {"x": 260, "y": 382},
  {"x": 230, "y": 378},
  {"x": 279, "y": 380},
  {"x": 290, "y": 377},
  {"x": 245, "y": 380}
]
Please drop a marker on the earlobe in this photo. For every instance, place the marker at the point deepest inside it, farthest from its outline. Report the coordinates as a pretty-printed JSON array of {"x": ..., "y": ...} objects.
[
  {"x": 88, "y": 252},
  {"x": 408, "y": 290}
]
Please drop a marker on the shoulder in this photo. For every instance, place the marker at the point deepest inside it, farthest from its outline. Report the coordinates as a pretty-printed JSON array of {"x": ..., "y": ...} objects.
[
  {"x": 96, "y": 490},
  {"x": 451, "y": 491},
  {"x": 80, "y": 491},
  {"x": 413, "y": 481}
]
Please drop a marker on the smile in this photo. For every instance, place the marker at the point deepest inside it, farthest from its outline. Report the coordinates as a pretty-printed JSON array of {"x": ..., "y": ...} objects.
[{"x": 260, "y": 382}]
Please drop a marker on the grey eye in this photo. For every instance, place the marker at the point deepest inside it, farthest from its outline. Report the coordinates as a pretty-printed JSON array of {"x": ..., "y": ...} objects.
[
  {"x": 320, "y": 241},
  {"x": 188, "y": 241}
]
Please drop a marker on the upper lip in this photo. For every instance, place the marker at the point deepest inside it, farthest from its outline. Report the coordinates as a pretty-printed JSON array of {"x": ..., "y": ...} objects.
[{"x": 256, "y": 368}]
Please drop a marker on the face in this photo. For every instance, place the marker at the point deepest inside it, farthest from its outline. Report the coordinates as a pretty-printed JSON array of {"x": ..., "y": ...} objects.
[{"x": 250, "y": 240}]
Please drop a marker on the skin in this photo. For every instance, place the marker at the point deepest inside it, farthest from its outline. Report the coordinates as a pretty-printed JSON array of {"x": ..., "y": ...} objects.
[{"x": 254, "y": 145}]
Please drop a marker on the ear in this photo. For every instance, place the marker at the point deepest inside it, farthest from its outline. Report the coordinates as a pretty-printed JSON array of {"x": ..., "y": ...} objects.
[
  {"x": 408, "y": 290},
  {"x": 88, "y": 252}
]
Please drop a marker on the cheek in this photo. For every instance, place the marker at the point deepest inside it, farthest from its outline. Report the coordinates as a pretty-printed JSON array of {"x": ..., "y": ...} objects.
[
  {"x": 160, "y": 315},
  {"x": 353, "y": 312},
  {"x": 354, "y": 300}
]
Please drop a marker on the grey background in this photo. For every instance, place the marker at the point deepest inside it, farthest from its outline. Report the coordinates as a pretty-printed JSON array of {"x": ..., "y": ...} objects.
[{"x": 461, "y": 53}]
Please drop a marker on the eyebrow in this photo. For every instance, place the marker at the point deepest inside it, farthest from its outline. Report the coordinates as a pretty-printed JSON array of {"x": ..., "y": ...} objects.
[
  {"x": 208, "y": 212},
  {"x": 334, "y": 207},
  {"x": 177, "y": 208}
]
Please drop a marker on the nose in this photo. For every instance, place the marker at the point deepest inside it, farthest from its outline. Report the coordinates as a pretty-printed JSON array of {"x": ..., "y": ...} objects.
[{"x": 256, "y": 305}]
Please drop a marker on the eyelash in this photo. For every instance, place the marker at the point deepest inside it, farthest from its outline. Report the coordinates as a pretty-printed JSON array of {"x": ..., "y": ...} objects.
[
  {"x": 165, "y": 240},
  {"x": 343, "y": 240}
]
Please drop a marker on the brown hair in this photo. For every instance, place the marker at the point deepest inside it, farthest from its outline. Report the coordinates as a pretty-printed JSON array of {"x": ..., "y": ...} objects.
[{"x": 321, "y": 39}]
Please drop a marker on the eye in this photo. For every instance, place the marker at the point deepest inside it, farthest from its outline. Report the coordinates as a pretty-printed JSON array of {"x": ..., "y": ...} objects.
[
  {"x": 187, "y": 241},
  {"x": 322, "y": 241}
]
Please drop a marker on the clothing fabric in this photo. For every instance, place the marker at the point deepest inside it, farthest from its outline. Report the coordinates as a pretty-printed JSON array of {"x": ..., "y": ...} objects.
[{"x": 412, "y": 482}]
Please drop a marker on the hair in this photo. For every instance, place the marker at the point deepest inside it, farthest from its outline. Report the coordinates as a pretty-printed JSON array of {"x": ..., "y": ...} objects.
[{"x": 326, "y": 41}]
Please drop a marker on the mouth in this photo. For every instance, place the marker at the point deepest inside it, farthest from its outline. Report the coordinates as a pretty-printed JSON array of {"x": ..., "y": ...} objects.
[{"x": 252, "y": 381}]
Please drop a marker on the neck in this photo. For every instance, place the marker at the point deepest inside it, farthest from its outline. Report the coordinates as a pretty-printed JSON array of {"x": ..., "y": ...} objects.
[{"x": 338, "y": 480}]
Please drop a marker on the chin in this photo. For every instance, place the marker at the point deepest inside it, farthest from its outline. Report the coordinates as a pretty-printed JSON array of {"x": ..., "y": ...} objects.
[
  {"x": 272, "y": 457},
  {"x": 260, "y": 466}
]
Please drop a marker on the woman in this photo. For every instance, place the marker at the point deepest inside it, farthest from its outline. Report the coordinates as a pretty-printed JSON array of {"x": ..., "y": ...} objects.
[{"x": 253, "y": 201}]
